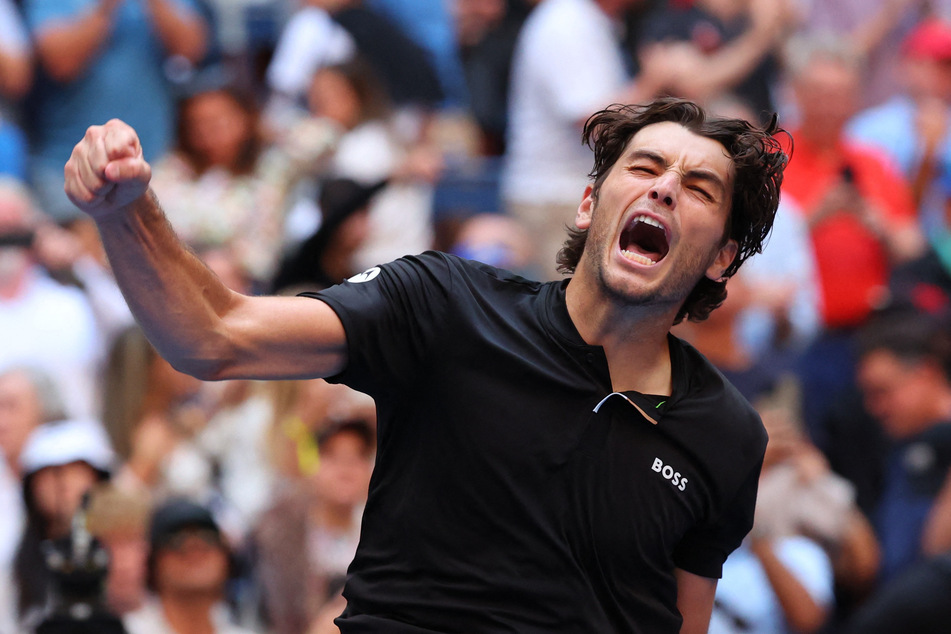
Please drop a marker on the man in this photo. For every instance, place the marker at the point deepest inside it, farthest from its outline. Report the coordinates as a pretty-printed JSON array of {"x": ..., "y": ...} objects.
[
  {"x": 904, "y": 374},
  {"x": 28, "y": 398},
  {"x": 188, "y": 569},
  {"x": 82, "y": 48},
  {"x": 46, "y": 325},
  {"x": 911, "y": 128},
  {"x": 549, "y": 458},
  {"x": 859, "y": 212}
]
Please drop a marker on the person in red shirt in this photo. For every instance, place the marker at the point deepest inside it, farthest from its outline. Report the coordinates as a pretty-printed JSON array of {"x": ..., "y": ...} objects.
[{"x": 859, "y": 209}]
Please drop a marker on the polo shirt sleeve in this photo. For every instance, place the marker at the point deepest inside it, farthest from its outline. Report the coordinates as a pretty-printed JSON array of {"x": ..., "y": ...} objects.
[
  {"x": 703, "y": 550},
  {"x": 392, "y": 315}
]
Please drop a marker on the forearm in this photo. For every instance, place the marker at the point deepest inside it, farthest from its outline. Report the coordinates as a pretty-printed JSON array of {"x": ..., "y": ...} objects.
[
  {"x": 802, "y": 613},
  {"x": 67, "y": 49},
  {"x": 181, "y": 32},
  {"x": 730, "y": 65},
  {"x": 176, "y": 299}
]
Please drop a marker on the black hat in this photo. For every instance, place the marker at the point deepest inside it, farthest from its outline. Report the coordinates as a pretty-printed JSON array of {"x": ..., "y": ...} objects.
[
  {"x": 339, "y": 199},
  {"x": 176, "y": 514}
]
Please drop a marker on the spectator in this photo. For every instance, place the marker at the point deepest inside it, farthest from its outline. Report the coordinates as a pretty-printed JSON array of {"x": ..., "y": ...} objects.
[
  {"x": 307, "y": 539},
  {"x": 90, "y": 52},
  {"x": 150, "y": 415},
  {"x": 371, "y": 150},
  {"x": 188, "y": 571},
  {"x": 73, "y": 255},
  {"x": 60, "y": 463},
  {"x": 722, "y": 47},
  {"x": 857, "y": 207},
  {"x": 494, "y": 239},
  {"x": 429, "y": 23},
  {"x": 309, "y": 41},
  {"x": 28, "y": 398},
  {"x": 912, "y": 126},
  {"x": 916, "y": 601},
  {"x": 486, "y": 31},
  {"x": 904, "y": 373},
  {"x": 874, "y": 29},
  {"x": 225, "y": 185},
  {"x": 44, "y": 323},
  {"x": 327, "y": 257},
  {"x": 298, "y": 409},
  {"x": 405, "y": 69},
  {"x": 119, "y": 519}
]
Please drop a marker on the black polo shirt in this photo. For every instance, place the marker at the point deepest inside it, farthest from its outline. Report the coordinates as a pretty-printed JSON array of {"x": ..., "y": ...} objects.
[{"x": 512, "y": 491}]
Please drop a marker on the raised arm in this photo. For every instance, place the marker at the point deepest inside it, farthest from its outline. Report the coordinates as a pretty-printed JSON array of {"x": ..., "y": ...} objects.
[{"x": 198, "y": 324}]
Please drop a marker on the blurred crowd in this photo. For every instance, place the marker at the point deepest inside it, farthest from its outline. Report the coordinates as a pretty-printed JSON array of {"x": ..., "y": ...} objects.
[{"x": 295, "y": 143}]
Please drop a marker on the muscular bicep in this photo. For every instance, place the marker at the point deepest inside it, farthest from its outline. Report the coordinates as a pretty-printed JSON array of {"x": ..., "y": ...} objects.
[
  {"x": 282, "y": 338},
  {"x": 695, "y": 601}
]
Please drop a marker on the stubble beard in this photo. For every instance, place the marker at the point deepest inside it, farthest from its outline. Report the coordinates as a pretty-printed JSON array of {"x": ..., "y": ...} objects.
[{"x": 673, "y": 289}]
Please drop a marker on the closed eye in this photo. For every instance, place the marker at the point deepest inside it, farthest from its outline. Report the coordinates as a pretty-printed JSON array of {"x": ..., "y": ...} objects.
[
  {"x": 643, "y": 169},
  {"x": 703, "y": 193}
]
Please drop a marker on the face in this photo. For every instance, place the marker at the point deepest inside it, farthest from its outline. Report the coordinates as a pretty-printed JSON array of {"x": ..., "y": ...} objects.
[
  {"x": 217, "y": 127},
  {"x": 58, "y": 492},
  {"x": 125, "y": 585},
  {"x": 656, "y": 226},
  {"x": 332, "y": 96},
  {"x": 898, "y": 393},
  {"x": 827, "y": 94},
  {"x": 20, "y": 413},
  {"x": 344, "y": 473},
  {"x": 192, "y": 561}
]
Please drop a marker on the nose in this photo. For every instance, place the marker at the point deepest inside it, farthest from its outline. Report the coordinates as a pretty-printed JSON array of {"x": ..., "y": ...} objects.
[{"x": 663, "y": 190}]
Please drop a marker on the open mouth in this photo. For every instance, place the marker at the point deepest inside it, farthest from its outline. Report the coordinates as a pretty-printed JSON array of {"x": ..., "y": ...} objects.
[{"x": 644, "y": 240}]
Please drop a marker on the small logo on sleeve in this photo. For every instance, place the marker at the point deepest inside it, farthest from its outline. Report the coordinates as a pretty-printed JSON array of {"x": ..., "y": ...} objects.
[
  {"x": 675, "y": 478},
  {"x": 366, "y": 276}
]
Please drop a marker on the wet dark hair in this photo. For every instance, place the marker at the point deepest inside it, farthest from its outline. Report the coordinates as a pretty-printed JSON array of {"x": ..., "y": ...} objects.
[{"x": 758, "y": 159}]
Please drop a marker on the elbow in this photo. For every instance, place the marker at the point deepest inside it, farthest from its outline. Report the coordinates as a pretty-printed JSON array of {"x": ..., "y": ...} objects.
[
  {"x": 201, "y": 369},
  {"x": 210, "y": 361}
]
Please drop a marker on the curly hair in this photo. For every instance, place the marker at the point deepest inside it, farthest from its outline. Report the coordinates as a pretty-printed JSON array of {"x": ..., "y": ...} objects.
[{"x": 758, "y": 159}]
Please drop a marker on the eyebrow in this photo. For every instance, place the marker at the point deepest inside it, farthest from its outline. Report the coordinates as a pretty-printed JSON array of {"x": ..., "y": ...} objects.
[{"x": 702, "y": 174}]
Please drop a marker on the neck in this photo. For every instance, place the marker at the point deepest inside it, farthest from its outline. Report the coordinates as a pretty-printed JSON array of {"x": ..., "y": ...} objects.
[
  {"x": 189, "y": 613},
  {"x": 634, "y": 338}
]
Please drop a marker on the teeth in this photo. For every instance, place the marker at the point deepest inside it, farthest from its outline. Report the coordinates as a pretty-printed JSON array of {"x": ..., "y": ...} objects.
[
  {"x": 648, "y": 220},
  {"x": 637, "y": 257}
]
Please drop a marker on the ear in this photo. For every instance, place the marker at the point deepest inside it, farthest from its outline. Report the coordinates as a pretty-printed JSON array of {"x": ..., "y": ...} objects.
[
  {"x": 722, "y": 261},
  {"x": 583, "y": 217}
]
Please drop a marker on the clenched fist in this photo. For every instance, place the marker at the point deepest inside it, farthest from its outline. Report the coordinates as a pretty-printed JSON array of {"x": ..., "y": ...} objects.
[{"x": 107, "y": 171}]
